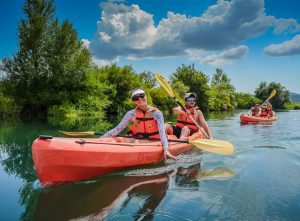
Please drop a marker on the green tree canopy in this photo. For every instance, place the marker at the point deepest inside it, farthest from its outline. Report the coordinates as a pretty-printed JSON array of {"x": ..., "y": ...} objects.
[
  {"x": 282, "y": 94},
  {"x": 196, "y": 81},
  {"x": 221, "y": 92},
  {"x": 50, "y": 65}
]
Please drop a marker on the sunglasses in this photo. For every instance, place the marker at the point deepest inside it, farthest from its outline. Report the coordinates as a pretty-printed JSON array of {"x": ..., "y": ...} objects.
[
  {"x": 191, "y": 99},
  {"x": 138, "y": 96}
]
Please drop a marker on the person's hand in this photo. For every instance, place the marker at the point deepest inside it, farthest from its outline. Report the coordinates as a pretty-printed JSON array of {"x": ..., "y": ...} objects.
[
  {"x": 187, "y": 113},
  {"x": 167, "y": 154}
]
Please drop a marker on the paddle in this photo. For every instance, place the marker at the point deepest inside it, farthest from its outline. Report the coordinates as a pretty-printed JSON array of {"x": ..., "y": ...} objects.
[
  {"x": 271, "y": 95},
  {"x": 163, "y": 82},
  {"x": 213, "y": 146}
]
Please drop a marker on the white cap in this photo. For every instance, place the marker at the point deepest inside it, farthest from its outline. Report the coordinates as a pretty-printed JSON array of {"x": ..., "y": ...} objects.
[
  {"x": 190, "y": 95},
  {"x": 137, "y": 91}
]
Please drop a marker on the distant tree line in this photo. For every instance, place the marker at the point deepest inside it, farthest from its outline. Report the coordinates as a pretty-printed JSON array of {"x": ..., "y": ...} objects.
[{"x": 52, "y": 76}]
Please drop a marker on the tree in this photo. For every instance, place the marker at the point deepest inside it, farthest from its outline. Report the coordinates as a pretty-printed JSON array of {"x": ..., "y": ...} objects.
[
  {"x": 196, "y": 81},
  {"x": 148, "y": 79},
  {"x": 50, "y": 65},
  {"x": 282, "y": 94},
  {"x": 221, "y": 92},
  {"x": 121, "y": 80},
  {"x": 245, "y": 100}
]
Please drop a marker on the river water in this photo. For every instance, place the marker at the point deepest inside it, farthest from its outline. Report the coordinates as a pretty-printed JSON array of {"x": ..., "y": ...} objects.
[{"x": 260, "y": 181}]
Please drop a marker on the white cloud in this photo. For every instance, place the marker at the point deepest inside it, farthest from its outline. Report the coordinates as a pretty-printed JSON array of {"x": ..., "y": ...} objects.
[
  {"x": 130, "y": 32},
  {"x": 225, "y": 57},
  {"x": 85, "y": 42},
  {"x": 286, "y": 48},
  {"x": 286, "y": 25}
]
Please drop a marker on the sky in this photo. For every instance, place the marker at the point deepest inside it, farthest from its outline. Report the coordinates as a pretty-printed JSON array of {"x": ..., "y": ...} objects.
[{"x": 250, "y": 40}]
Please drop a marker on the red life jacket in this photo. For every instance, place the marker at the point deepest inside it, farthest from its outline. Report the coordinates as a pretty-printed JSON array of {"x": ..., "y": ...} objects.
[
  {"x": 184, "y": 120},
  {"x": 144, "y": 124},
  {"x": 264, "y": 112},
  {"x": 255, "y": 111},
  {"x": 270, "y": 112}
]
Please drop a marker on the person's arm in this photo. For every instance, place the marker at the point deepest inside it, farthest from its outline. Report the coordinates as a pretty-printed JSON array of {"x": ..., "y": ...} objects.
[
  {"x": 202, "y": 121},
  {"x": 179, "y": 110},
  {"x": 250, "y": 111},
  {"x": 121, "y": 126},
  {"x": 158, "y": 116}
]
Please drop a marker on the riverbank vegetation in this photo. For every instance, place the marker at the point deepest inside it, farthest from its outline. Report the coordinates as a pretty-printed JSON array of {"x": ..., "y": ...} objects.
[{"x": 52, "y": 76}]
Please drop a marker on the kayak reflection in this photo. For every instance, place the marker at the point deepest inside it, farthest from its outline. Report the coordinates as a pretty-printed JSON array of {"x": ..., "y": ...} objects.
[
  {"x": 94, "y": 201},
  {"x": 107, "y": 197}
]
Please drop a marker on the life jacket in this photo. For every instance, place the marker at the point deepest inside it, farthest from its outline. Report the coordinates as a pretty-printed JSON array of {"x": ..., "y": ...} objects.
[
  {"x": 184, "y": 120},
  {"x": 255, "y": 111},
  {"x": 270, "y": 111},
  {"x": 264, "y": 112},
  {"x": 144, "y": 124}
]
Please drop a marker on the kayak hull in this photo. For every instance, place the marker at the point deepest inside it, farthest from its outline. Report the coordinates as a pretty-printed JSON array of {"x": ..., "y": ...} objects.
[
  {"x": 251, "y": 119},
  {"x": 59, "y": 159}
]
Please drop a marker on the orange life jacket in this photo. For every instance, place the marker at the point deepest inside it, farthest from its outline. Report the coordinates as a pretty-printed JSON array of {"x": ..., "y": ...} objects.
[
  {"x": 255, "y": 111},
  {"x": 264, "y": 112},
  {"x": 184, "y": 120},
  {"x": 144, "y": 124}
]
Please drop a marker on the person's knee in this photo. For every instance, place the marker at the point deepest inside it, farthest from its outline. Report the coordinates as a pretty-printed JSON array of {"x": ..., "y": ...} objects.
[
  {"x": 169, "y": 129},
  {"x": 185, "y": 132}
]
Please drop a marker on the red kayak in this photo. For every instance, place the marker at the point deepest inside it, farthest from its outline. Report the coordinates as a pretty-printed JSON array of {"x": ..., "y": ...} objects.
[
  {"x": 251, "y": 119},
  {"x": 60, "y": 159}
]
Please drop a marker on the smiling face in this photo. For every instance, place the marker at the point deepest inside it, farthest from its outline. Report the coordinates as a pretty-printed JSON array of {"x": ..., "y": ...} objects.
[
  {"x": 140, "y": 100},
  {"x": 190, "y": 102}
]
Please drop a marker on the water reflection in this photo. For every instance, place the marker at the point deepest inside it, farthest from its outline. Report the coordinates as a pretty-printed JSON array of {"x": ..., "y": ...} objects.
[{"x": 113, "y": 196}]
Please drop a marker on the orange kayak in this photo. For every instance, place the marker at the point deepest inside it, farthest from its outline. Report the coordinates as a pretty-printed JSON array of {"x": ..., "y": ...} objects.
[
  {"x": 251, "y": 119},
  {"x": 60, "y": 159}
]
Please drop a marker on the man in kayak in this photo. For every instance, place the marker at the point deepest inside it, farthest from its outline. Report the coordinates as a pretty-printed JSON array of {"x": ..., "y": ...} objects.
[
  {"x": 185, "y": 125},
  {"x": 254, "y": 111},
  {"x": 148, "y": 122}
]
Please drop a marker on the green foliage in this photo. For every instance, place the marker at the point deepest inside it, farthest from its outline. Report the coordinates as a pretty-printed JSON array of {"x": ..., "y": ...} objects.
[
  {"x": 292, "y": 106},
  {"x": 8, "y": 108},
  {"x": 180, "y": 89},
  {"x": 148, "y": 79},
  {"x": 245, "y": 100},
  {"x": 50, "y": 66},
  {"x": 196, "y": 81},
  {"x": 121, "y": 80},
  {"x": 279, "y": 100},
  {"x": 221, "y": 92},
  {"x": 162, "y": 100}
]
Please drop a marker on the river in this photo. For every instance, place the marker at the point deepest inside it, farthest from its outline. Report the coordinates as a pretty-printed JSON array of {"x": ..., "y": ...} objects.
[{"x": 260, "y": 181}]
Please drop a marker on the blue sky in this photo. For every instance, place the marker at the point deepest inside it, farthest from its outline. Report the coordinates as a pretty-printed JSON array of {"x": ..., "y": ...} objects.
[{"x": 251, "y": 40}]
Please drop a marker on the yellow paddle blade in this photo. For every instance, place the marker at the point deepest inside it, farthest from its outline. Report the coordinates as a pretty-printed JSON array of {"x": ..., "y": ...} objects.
[
  {"x": 164, "y": 83},
  {"x": 86, "y": 133},
  {"x": 272, "y": 94},
  {"x": 213, "y": 146}
]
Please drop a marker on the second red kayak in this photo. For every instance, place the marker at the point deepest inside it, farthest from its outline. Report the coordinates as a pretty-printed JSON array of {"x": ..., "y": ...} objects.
[{"x": 251, "y": 119}]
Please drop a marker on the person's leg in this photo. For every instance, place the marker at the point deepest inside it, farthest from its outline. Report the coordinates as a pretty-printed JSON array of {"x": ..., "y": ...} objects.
[
  {"x": 185, "y": 132},
  {"x": 169, "y": 129}
]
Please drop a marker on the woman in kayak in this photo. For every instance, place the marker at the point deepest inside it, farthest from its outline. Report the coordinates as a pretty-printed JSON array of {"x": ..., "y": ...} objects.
[
  {"x": 185, "y": 126},
  {"x": 148, "y": 122}
]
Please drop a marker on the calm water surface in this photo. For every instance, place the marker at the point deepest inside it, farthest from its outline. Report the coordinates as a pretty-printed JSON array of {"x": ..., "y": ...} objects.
[{"x": 260, "y": 181}]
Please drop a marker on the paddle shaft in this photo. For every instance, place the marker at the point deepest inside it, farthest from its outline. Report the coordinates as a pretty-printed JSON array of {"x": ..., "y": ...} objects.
[
  {"x": 146, "y": 138},
  {"x": 194, "y": 121}
]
